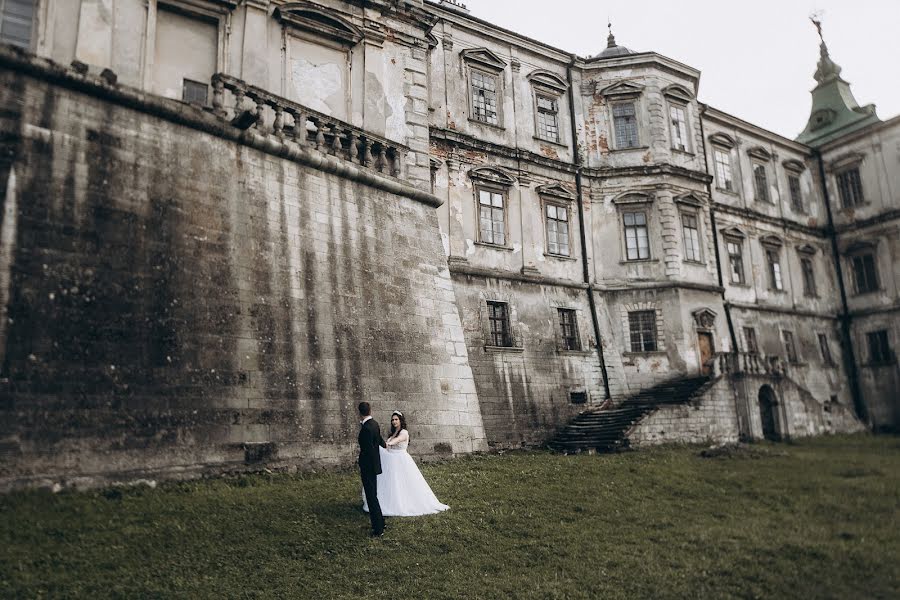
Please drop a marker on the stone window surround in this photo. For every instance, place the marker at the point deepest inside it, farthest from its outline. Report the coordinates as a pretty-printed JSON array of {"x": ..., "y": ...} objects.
[
  {"x": 750, "y": 347},
  {"x": 795, "y": 168},
  {"x": 807, "y": 252},
  {"x": 858, "y": 249},
  {"x": 556, "y": 195},
  {"x": 789, "y": 343},
  {"x": 772, "y": 243},
  {"x": 759, "y": 156},
  {"x": 690, "y": 205},
  {"x": 840, "y": 165},
  {"x": 635, "y": 201},
  {"x": 583, "y": 343},
  {"x": 548, "y": 84},
  {"x": 735, "y": 236},
  {"x": 515, "y": 328},
  {"x": 626, "y": 328},
  {"x": 487, "y": 63},
  {"x": 727, "y": 145},
  {"x": 494, "y": 180},
  {"x": 825, "y": 350},
  {"x": 680, "y": 97},
  {"x": 873, "y": 336},
  {"x": 621, "y": 93}
]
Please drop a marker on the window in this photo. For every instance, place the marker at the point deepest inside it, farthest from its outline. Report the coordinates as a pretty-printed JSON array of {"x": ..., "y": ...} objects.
[
  {"x": 492, "y": 214},
  {"x": 642, "y": 326},
  {"x": 484, "y": 97},
  {"x": 498, "y": 315},
  {"x": 789, "y": 348},
  {"x": 880, "y": 352},
  {"x": 195, "y": 92},
  {"x": 679, "y": 127},
  {"x": 761, "y": 183},
  {"x": 774, "y": 261},
  {"x": 850, "y": 188},
  {"x": 736, "y": 260},
  {"x": 691, "y": 237},
  {"x": 825, "y": 350},
  {"x": 568, "y": 324},
  {"x": 865, "y": 274},
  {"x": 723, "y": 169},
  {"x": 548, "y": 118},
  {"x": 557, "y": 229},
  {"x": 637, "y": 243},
  {"x": 796, "y": 194},
  {"x": 809, "y": 277},
  {"x": 750, "y": 340},
  {"x": 625, "y": 124},
  {"x": 16, "y": 18}
]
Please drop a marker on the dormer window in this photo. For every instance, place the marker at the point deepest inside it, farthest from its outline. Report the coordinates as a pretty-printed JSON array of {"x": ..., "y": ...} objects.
[{"x": 16, "y": 22}]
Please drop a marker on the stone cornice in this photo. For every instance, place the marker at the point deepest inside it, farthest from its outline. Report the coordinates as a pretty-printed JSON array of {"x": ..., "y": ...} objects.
[
  {"x": 458, "y": 268},
  {"x": 197, "y": 118},
  {"x": 879, "y": 219},
  {"x": 632, "y": 286},
  {"x": 753, "y": 215},
  {"x": 470, "y": 142},
  {"x": 652, "y": 169},
  {"x": 712, "y": 113},
  {"x": 783, "y": 310}
]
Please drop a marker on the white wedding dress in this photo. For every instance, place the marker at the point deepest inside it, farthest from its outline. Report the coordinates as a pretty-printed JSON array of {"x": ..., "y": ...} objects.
[{"x": 402, "y": 491}]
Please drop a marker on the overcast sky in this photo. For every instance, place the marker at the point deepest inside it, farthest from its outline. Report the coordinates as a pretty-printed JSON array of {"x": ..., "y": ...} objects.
[{"x": 757, "y": 57}]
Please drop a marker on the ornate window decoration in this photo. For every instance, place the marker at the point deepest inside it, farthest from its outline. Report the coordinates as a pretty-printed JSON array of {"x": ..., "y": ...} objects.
[
  {"x": 492, "y": 204},
  {"x": 624, "y": 102},
  {"x": 557, "y": 206},
  {"x": 723, "y": 146},
  {"x": 484, "y": 70},
  {"x": 705, "y": 319},
  {"x": 759, "y": 160},
  {"x": 679, "y": 100},
  {"x": 547, "y": 88},
  {"x": 318, "y": 22}
]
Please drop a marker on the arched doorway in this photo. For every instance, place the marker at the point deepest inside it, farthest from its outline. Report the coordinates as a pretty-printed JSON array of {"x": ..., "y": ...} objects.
[{"x": 768, "y": 402}]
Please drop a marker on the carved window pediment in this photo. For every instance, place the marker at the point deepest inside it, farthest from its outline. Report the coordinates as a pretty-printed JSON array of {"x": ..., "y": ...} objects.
[
  {"x": 623, "y": 89},
  {"x": 556, "y": 190},
  {"x": 772, "y": 241},
  {"x": 492, "y": 175},
  {"x": 807, "y": 249},
  {"x": 318, "y": 20},
  {"x": 846, "y": 160},
  {"x": 860, "y": 247},
  {"x": 484, "y": 58},
  {"x": 690, "y": 200},
  {"x": 545, "y": 79},
  {"x": 705, "y": 318},
  {"x": 722, "y": 140},
  {"x": 760, "y": 153},
  {"x": 633, "y": 198},
  {"x": 734, "y": 232},
  {"x": 678, "y": 92},
  {"x": 794, "y": 165}
]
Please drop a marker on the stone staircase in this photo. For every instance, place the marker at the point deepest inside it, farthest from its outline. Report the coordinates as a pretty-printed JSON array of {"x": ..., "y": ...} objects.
[{"x": 604, "y": 429}]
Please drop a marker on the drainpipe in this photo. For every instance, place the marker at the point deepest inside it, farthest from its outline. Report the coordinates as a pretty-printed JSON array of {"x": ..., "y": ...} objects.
[
  {"x": 715, "y": 234},
  {"x": 576, "y": 162},
  {"x": 849, "y": 355}
]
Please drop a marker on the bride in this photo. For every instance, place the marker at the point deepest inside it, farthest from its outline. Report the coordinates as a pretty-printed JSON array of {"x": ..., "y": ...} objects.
[{"x": 402, "y": 491}]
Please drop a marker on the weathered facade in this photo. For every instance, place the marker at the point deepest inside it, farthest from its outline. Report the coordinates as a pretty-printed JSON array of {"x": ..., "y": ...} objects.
[{"x": 229, "y": 221}]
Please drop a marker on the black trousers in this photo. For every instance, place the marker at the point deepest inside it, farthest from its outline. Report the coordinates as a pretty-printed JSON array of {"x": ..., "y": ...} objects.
[{"x": 370, "y": 487}]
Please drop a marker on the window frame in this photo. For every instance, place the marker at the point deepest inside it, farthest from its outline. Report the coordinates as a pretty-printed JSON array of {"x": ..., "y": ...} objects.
[
  {"x": 856, "y": 196},
  {"x": 497, "y": 100},
  {"x": 557, "y": 204},
  {"x": 775, "y": 275},
  {"x": 728, "y": 186},
  {"x": 493, "y": 190},
  {"x": 739, "y": 243},
  {"x": 825, "y": 350},
  {"x": 698, "y": 250},
  {"x": 796, "y": 192},
  {"x": 790, "y": 346},
  {"x": 506, "y": 324},
  {"x": 645, "y": 212},
  {"x": 872, "y": 278},
  {"x": 570, "y": 336},
  {"x": 878, "y": 344},
  {"x": 760, "y": 193},
  {"x": 750, "y": 347},
  {"x": 540, "y": 94},
  {"x": 33, "y": 25},
  {"x": 808, "y": 273},
  {"x": 682, "y": 107},
  {"x": 613, "y": 105},
  {"x": 648, "y": 326}
]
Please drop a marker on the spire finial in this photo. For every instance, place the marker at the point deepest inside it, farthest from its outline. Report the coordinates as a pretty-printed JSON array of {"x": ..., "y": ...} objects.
[
  {"x": 611, "y": 40},
  {"x": 816, "y": 18}
]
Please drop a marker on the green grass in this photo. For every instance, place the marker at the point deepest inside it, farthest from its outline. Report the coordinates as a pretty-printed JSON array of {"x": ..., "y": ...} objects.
[{"x": 815, "y": 519}]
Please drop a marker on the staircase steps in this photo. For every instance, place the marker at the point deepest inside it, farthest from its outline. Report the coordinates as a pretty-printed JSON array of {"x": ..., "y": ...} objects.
[{"x": 604, "y": 430}]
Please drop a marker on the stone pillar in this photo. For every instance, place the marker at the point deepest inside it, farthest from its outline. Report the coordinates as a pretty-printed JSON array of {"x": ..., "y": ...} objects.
[
  {"x": 457, "y": 196},
  {"x": 531, "y": 234},
  {"x": 416, "y": 92}
]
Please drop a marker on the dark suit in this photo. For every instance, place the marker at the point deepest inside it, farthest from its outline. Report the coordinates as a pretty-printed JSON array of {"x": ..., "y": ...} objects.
[{"x": 370, "y": 468}]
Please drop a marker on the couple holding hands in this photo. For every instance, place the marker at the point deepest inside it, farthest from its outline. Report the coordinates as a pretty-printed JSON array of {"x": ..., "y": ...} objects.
[{"x": 392, "y": 483}]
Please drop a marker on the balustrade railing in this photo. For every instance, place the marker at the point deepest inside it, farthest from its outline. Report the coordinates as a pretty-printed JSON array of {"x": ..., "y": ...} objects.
[
  {"x": 305, "y": 126},
  {"x": 747, "y": 363}
]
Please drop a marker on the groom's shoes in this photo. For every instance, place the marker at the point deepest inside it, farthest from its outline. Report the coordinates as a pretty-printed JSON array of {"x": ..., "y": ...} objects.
[{"x": 377, "y": 534}]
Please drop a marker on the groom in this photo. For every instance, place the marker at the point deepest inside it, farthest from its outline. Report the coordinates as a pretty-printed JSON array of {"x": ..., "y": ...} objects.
[{"x": 370, "y": 464}]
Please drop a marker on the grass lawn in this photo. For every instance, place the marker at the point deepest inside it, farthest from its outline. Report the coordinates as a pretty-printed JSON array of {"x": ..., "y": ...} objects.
[{"x": 815, "y": 519}]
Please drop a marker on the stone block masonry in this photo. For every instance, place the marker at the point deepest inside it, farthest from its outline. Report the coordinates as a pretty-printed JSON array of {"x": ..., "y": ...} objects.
[{"x": 180, "y": 303}]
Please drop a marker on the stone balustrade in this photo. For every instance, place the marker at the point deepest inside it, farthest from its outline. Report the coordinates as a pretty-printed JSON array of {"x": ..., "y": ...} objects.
[
  {"x": 747, "y": 363},
  {"x": 305, "y": 127}
]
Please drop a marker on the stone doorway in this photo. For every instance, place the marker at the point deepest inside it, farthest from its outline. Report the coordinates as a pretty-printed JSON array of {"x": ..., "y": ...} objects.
[
  {"x": 705, "y": 341},
  {"x": 768, "y": 402}
]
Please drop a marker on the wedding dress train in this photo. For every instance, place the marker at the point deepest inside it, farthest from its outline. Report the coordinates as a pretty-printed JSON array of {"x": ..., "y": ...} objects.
[{"x": 402, "y": 491}]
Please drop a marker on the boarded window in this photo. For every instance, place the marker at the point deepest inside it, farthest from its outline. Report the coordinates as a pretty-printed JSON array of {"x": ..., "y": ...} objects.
[
  {"x": 17, "y": 22},
  {"x": 879, "y": 348},
  {"x": 492, "y": 213},
  {"x": 679, "y": 127},
  {"x": 691, "y": 231},
  {"x": 736, "y": 260},
  {"x": 625, "y": 124},
  {"x": 557, "y": 229},
  {"x": 484, "y": 97},
  {"x": 498, "y": 315},
  {"x": 637, "y": 242},
  {"x": 865, "y": 274},
  {"x": 548, "y": 118},
  {"x": 568, "y": 324},
  {"x": 850, "y": 188},
  {"x": 723, "y": 170},
  {"x": 642, "y": 328}
]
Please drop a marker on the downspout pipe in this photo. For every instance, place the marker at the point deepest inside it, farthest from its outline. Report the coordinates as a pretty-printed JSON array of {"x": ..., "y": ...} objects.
[
  {"x": 576, "y": 162},
  {"x": 849, "y": 355},
  {"x": 715, "y": 234}
]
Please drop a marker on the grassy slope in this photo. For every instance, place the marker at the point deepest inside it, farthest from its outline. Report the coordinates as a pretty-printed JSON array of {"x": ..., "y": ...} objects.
[{"x": 814, "y": 519}]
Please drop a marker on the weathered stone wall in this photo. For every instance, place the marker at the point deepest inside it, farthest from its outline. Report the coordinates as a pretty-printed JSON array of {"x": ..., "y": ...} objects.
[
  {"x": 182, "y": 303},
  {"x": 709, "y": 418}
]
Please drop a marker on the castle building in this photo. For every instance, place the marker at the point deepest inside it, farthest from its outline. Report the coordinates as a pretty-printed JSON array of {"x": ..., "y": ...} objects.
[{"x": 226, "y": 222}]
